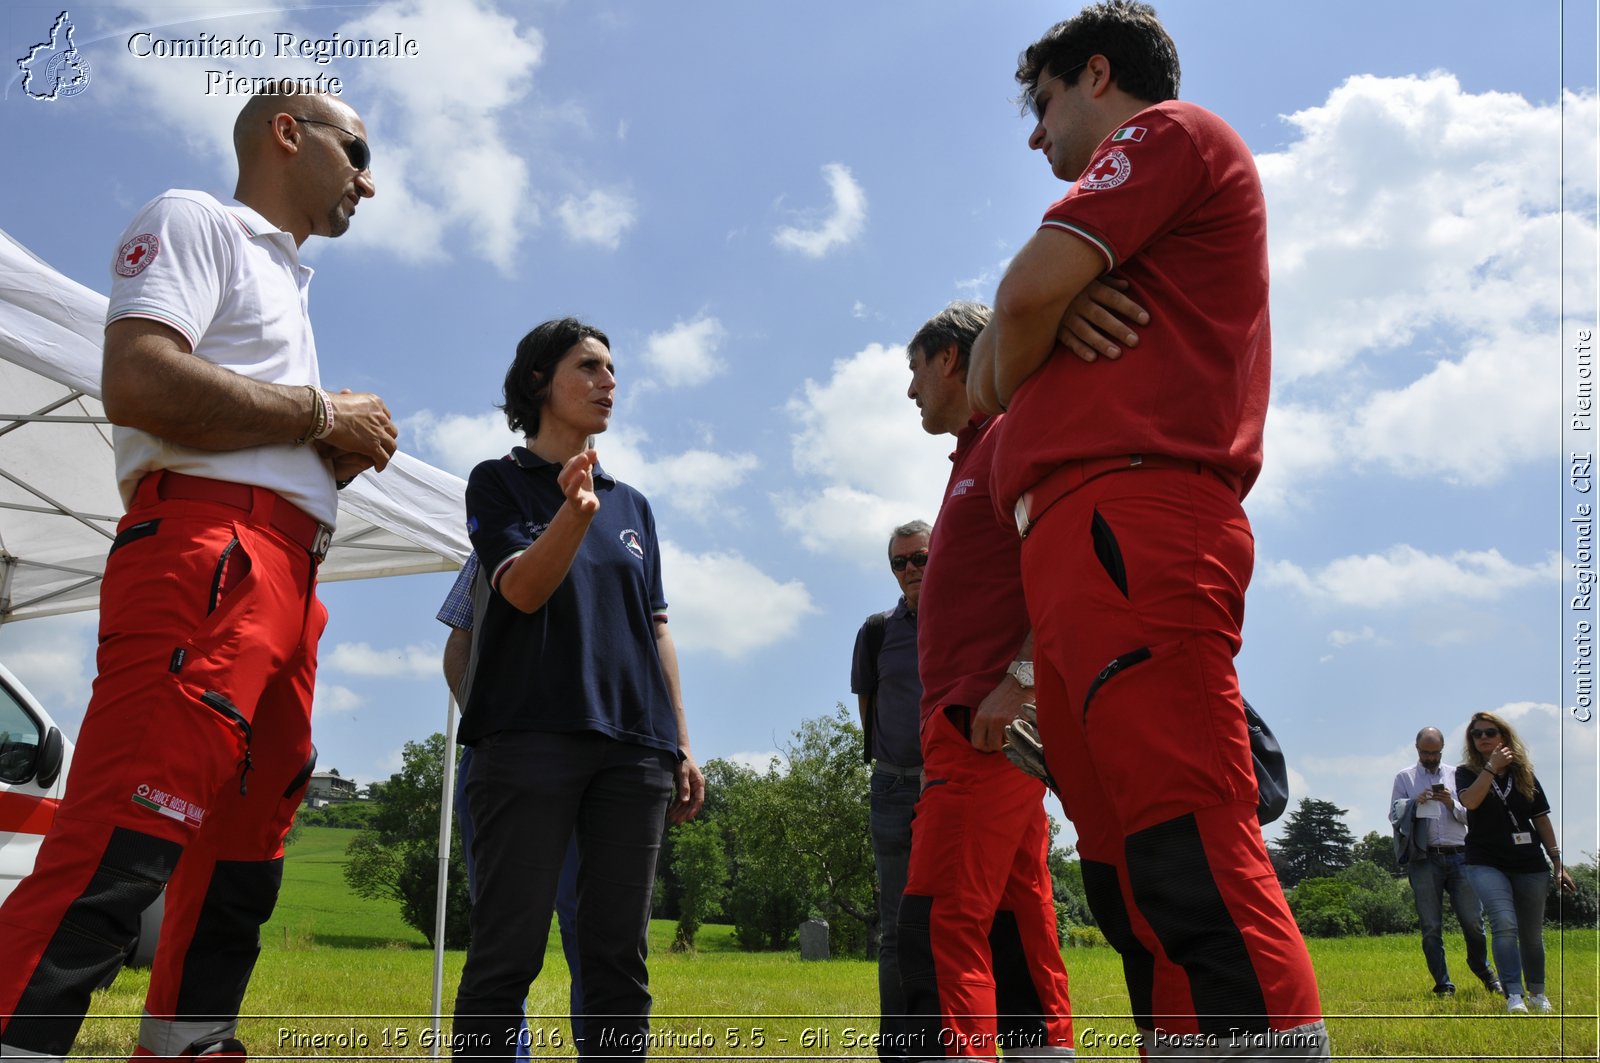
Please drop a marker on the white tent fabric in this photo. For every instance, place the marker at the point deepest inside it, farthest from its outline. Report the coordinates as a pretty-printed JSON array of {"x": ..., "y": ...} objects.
[{"x": 58, "y": 496}]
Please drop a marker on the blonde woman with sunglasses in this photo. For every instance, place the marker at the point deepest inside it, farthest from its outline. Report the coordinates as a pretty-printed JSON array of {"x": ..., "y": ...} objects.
[{"x": 1508, "y": 836}]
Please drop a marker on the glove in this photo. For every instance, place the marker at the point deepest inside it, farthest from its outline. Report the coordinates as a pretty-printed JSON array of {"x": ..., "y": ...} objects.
[{"x": 1022, "y": 746}]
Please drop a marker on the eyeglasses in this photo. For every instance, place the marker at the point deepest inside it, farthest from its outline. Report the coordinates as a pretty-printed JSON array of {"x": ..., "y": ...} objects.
[
  {"x": 355, "y": 149},
  {"x": 1033, "y": 97},
  {"x": 1484, "y": 732},
  {"x": 899, "y": 561}
]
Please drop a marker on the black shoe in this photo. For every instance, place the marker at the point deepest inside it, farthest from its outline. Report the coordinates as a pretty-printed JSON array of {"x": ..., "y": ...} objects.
[
  {"x": 227, "y": 1048},
  {"x": 1445, "y": 989},
  {"x": 1492, "y": 983}
]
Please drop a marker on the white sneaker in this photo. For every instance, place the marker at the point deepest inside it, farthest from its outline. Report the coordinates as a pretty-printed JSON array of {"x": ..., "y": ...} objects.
[
  {"x": 1514, "y": 1004},
  {"x": 1540, "y": 1002}
]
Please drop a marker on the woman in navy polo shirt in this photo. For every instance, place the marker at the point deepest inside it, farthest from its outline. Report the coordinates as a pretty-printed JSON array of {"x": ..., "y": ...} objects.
[{"x": 574, "y": 712}]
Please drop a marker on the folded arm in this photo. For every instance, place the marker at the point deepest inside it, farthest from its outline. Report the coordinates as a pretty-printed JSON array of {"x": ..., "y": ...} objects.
[{"x": 1043, "y": 279}]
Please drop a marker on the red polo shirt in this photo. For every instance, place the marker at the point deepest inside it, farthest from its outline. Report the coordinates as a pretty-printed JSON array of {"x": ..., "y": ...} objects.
[
  {"x": 972, "y": 617},
  {"x": 1173, "y": 203}
]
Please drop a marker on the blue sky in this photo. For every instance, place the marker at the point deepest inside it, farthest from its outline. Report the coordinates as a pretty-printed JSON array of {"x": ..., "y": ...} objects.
[{"x": 760, "y": 205}]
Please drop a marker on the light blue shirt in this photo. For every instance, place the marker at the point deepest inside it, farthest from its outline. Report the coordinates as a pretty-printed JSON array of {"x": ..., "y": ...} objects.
[{"x": 1451, "y": 827}]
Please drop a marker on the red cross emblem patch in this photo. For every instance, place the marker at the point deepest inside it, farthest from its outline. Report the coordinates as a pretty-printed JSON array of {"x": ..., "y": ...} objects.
[{"x": 137, "y": 253}]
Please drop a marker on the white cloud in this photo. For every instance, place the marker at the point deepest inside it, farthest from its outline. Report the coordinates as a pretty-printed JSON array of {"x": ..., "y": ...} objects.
[
  {"x": 331, "y": 699},
  {"x": 842, "y": 225},
  {"x": 760, "y": 763},
  {"x": 458, "y": 441},
  {"x": 1350, "y": 638},
  {"x": 448, "y": 132},
  {"x": 697, "y": 483},
  {"x": 686, "y": 354},
  {"x": 434, "y": 133},
  {"x": 861, "y": 445},
  {"x": 359, "y": 658},
  {"x": 598, "y": 218},
  {"x": 722, "y": 603},
  {"x": 53, "y": 657},
  {"x": 1406, "y": 576},
  {"x": 1413, "y": 227}
]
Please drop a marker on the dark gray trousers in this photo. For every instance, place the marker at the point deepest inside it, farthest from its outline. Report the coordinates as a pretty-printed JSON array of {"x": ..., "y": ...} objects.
[{"x": 530, "y": 791}]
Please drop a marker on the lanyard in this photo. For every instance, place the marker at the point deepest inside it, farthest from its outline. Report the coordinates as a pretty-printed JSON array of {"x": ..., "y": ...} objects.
[{"x": 1505, "y": 800}]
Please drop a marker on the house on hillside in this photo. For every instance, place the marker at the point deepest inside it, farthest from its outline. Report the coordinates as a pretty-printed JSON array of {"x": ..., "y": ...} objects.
[{"x": 329, "y": 787}]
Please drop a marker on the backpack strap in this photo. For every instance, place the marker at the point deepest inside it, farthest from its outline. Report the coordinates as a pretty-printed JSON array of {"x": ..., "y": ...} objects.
[{"x": 873, "y": 629}]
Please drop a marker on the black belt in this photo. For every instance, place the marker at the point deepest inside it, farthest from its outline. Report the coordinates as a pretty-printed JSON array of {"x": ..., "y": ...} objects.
[
  {"x": 1447, "y": 849},
  {"x": 896, "y": 769}
]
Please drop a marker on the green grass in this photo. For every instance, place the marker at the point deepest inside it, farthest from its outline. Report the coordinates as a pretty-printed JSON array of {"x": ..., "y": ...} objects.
[
  {"x": 328, "y": 955},
  {"x": 317, "y": 908}
]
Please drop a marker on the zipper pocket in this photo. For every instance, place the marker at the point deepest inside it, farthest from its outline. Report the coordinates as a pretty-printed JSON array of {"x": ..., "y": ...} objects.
[
  {"x": 224, "y": 708},
  {"x": 1127, "y": 660},
  {"x": 303, "y": 776},
  {"x": 220, "y": 576}
]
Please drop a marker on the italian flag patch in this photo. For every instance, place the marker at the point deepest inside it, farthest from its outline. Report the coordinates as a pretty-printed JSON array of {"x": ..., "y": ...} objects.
[{"x": 1134, "y": 133}]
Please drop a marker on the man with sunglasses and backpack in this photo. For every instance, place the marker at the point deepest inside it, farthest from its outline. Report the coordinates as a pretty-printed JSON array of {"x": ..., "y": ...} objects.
[
  {"x": 883, "y": 675},
  {"x": 197, "y": 740}
]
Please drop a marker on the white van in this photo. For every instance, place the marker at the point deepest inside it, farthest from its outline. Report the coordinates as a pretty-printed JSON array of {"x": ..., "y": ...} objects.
[{"x": 34, "y": 758}]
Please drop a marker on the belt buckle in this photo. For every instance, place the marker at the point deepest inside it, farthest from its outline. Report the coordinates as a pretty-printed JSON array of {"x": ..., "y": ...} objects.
[
  {"x": 1020, "y": 512},
  {"x": 321, "y": 541}
]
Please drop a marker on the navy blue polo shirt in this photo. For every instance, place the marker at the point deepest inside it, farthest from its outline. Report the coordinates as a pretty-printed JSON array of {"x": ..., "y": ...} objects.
[{"x": 587, "y": 659}]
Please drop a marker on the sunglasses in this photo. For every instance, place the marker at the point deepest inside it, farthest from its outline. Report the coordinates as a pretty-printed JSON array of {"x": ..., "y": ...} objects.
[
  {"x": 355, "y": 149},
  {"x": 900, "y": 561},
  {"x": 1033, "y": 102},
  {"x": 1484, "y": 732}
]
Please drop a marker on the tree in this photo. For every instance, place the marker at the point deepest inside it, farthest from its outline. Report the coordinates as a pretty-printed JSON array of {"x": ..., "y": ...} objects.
[
  {"x": 823, "y": 818},
  {"x": 797, "y": 839},
  {"x": 700, "y": 865},
  {"x": 397, "y": 855},
  {"x": 1378, "y": 849},
  {"x": 1315, "y": 842},
  {"x": 768, "y": 895}
]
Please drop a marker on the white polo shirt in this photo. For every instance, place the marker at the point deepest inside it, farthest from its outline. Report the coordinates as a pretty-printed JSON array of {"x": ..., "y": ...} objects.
[{"x": 232, "y": 284}]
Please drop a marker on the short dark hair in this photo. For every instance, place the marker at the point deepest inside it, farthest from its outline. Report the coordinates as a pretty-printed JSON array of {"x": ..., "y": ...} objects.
[
  {"x": 958, "y": 324},
  {"x": 537, "y": 355},
  {"x": 1144, "y": 61}
]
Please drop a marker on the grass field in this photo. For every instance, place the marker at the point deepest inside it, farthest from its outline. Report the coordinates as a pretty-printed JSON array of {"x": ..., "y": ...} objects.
[{"x": 344, "y": 977}]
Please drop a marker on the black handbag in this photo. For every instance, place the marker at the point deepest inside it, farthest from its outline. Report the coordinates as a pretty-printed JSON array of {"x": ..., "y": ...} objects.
[{"x": 1272, "y": 772}]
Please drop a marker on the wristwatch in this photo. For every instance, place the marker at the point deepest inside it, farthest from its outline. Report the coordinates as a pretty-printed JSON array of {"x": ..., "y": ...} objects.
[{"x": 1022, "y": 672}]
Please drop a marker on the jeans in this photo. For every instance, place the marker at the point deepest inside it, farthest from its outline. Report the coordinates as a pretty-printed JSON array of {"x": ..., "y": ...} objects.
[
  {"x": 1514, "y": 903},
  {"x": 566, "y": 905},
  {"x": 529, "y": 792},
  {"x": 894, "y": 798},
  {"x": 1430, "y": 877}
]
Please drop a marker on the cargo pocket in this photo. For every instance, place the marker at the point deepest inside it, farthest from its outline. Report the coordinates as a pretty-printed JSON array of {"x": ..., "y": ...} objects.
[
  {"x": 220, "y": 705},
  {"x": 1150, "y": 743}
]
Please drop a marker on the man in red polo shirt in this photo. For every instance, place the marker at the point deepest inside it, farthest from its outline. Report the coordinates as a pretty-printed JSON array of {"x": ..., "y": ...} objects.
[
  {"x": 1126, "y": 477},
  {"x": 977, "y": 922}
]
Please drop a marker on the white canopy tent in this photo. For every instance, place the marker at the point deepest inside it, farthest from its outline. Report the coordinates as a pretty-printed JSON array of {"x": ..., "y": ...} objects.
[{"x": 59, "y": 503}]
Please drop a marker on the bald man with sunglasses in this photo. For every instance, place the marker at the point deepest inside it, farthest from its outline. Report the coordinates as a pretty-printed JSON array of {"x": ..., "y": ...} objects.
[{"x": 197, "y": 740}]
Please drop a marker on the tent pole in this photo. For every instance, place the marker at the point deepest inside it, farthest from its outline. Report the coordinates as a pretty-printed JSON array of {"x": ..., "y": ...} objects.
[{"x": 446, "y": 811}]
